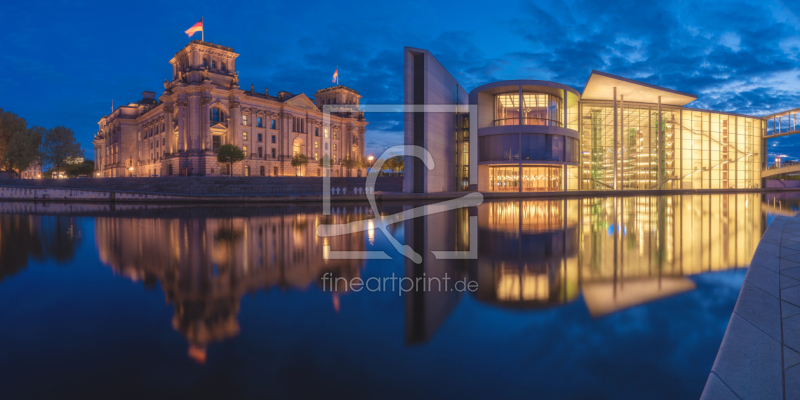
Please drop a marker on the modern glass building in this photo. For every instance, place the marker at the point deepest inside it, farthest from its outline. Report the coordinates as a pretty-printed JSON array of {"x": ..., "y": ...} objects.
[{"x": 619, "y": 134}]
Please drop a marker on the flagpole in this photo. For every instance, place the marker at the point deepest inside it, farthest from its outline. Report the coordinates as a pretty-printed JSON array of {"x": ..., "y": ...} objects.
[{"x": 203, "y": 31}]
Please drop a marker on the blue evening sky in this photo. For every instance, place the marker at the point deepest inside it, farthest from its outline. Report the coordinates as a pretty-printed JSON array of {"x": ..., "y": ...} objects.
[{"x": 63, "y": 62}]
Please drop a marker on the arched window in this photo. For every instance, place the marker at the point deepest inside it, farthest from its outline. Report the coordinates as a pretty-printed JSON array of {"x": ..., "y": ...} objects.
[
  {"x": 205, "y": 62},
  {"x": 215, "y": 114},
  {"x": 213, "y": 64},
  {"x": 224, "y": 67}
]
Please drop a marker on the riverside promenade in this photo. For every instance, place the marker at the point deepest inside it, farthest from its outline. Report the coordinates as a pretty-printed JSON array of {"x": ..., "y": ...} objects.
[
  {"x": 760, "y": 354},
  {"x": 277, "y": 190}
]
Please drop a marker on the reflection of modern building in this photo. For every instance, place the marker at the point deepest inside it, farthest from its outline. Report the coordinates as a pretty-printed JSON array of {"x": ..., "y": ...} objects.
[
  {"x": 543, "y": 136},
  {"x": 205, "y": 265},
  {"x": 615, "y": 252},
  {"x": 202, "y": 108}
]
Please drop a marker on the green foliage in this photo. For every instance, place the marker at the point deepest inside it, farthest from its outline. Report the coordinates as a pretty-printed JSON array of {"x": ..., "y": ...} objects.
[
  {"x": 23, "y": 148},
  {"x": 58, "y": 145},
  {"x": 229, "y": 154},
  {"x": 11, "y": 125},
  {"x": 396, "y": 163},
  {"x": 325, "y": 161},
  {"x": 348, "y": 163},
  {"x": 85, "y": 168},
  {"x": 298, "y": 160}
]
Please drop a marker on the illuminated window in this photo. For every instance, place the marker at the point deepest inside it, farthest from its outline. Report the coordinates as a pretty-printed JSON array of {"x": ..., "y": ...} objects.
[
  {"x": 316, "y": 145},
  {"x": 506, "y": 109},
  {"x": 541, "y": 109},
  {"x": 244, "y": 136},
  {"x": 244, "y": 119},
  {"x": 244, "y": 150}
]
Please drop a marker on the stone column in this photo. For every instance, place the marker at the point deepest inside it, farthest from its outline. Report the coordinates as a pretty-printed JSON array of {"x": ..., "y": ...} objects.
[
  {"x": 205, "y": 120},
  {"x": 181, "y": 125},
  {"x": 234, "y": 121},
  {"x": 193, "y": 121},
  {"x": 168, "y": 133}
]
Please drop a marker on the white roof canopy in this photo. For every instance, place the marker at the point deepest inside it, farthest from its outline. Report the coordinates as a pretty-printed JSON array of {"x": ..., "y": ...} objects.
[{"x": 601, "y": 87}]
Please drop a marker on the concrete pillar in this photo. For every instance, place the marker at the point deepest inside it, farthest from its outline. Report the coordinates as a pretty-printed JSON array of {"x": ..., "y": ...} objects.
[
  {"x": 660, "y": 136},
  {"x": 623, "y": 135},
  {"x": 616, "y": 148},
  {"x": 519, "y": 140}
]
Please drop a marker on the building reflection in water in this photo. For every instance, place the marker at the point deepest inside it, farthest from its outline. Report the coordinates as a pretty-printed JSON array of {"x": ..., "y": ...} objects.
[
  {"x": 613, "y": 253},
  {"x": 617, "y": 252},
  {"x": 205, "y": 265}
]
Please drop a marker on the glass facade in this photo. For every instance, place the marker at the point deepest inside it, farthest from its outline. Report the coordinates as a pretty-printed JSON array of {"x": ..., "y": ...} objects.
[
  {"x": 504, "y": 178},
  {"x": 700, "y": 149},
  {"x": 534, "y": 178},
  {"x": 537, "y": 109},
  {"x": 542, "y": 178},
  {"x": 535, "y": 147}
]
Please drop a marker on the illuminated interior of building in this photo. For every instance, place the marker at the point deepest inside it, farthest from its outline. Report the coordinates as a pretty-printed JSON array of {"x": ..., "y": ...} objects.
[{"x": 619, "y": 134}]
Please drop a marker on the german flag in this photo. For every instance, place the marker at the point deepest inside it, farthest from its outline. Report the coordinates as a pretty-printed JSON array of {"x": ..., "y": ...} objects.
[{"x": 198, "y": 27}]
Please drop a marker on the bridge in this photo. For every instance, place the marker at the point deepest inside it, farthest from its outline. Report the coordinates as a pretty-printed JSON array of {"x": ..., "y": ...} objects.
[{"x": 782, "y": 170}]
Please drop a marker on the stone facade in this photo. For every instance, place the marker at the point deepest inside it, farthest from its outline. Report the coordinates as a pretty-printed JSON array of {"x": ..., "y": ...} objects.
[
  {"x": 202, "y": 108},
  {"x": 34, "y": 171}
]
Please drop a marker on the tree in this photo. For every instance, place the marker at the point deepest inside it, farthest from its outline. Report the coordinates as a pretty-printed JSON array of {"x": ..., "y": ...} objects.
[
  {"x": 399, "y": 163},
  {"x": 23, "y": 148},
  {"x": 348, "y": 164},
  {"x": 59, "y": 145},
  {"x": 325, "y": 163},
  {"x": 10, "y": 125},
  {"x": 83, "y": 169},
  {"x": 299, "y": 160},
  {"x": 229, "y": 154}
]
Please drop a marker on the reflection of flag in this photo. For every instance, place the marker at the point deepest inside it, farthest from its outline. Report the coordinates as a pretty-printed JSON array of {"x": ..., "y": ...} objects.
[
  {"x": 198, "y": 27},
  {"x": 336, "y": 75}
]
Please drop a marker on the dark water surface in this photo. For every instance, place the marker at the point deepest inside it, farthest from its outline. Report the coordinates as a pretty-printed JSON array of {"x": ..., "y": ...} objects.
[{"x": 579, "y": 298}]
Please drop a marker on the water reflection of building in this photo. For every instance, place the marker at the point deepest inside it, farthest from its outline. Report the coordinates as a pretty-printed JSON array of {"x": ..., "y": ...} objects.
[
  {"x": 27, "y": 236},
  {"x": 205, "y": 265},
  {"x": 528, "y": 253},
  {"x": 616, "y": 252},
  {"x": 426, "y": 310}
]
